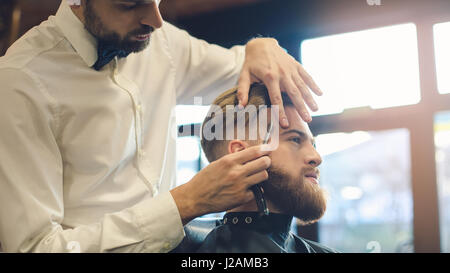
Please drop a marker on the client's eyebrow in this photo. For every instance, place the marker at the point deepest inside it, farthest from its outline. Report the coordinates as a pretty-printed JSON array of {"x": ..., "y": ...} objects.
[{"x": 301, "y": 134}]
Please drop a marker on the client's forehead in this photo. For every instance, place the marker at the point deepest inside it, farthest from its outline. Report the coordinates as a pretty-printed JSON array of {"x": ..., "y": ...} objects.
[{"x": 295, "y": 122}]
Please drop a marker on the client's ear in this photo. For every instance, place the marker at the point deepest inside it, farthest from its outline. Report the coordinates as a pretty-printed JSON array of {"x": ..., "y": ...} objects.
[{"x": 236, "y": 146}]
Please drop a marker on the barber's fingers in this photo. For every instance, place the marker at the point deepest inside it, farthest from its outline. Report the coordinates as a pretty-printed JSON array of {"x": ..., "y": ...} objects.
[
  {"x": 272, "y": 83},
  {"x": 244, "y": 87},
  {"x": 309, "y": 80},
  {"x": 256, "y": 178},
  {"x": 249, "y": 154},
  {"x": 257, "y": 165},
  {"x": 297, "y": 99},
  {"x": 306, "y": 94}
]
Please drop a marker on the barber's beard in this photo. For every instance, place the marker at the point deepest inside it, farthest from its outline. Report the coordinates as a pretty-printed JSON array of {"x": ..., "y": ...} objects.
[
  {"x": 95, "y": 26},
  {"x": 295, "y": 196}
]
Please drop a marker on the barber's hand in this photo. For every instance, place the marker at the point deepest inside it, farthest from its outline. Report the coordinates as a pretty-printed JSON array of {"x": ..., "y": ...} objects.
[
  {"x": 267, "y": 62},
  {"x": 223, "y": 184}
]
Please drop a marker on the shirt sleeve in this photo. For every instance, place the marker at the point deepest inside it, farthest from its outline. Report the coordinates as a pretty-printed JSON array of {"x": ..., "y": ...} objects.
[
  {"x": 202, "y": 69},
  {"x": 31, "y": 186}
]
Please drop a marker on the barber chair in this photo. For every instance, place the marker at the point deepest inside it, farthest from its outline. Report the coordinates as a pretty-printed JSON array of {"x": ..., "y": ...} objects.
[{"x": 196, "y": 232}]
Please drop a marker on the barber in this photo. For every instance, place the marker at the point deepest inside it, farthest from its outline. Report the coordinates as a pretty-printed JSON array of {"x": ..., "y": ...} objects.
[{"x": 87, "y": 156}]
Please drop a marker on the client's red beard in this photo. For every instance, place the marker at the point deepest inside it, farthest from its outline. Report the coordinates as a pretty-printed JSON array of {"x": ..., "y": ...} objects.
[{"x": 295, "y": 196}]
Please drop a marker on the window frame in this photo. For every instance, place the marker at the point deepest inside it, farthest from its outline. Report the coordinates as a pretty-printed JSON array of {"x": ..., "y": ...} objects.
[{"x": 419, "y": 120}]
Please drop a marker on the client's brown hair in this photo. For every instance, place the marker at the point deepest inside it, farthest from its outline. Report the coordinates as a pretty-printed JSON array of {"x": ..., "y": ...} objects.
[{"x": 258, "y": 96}]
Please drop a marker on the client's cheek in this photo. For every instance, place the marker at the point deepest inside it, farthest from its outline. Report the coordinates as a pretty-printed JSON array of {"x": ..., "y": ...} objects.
[{"x": 279, "y": 161}]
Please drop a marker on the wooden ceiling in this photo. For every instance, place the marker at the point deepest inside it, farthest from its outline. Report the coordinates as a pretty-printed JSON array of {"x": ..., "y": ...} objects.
[{"x": 172, "y": 9}]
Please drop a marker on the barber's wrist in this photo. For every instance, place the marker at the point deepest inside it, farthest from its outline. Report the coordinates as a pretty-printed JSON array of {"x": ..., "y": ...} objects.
[{"x": 188, "y": 206}]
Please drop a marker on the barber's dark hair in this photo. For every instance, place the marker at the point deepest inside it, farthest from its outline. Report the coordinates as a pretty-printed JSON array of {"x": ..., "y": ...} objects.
[{"x": 258, "y": 96}]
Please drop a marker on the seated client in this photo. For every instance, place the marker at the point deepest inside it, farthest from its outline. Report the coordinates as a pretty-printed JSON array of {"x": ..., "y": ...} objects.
[{"x": 291, "y": 190}]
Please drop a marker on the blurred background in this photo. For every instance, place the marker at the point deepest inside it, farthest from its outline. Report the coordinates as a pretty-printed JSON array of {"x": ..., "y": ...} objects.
[{"x": 383, "y": 128}]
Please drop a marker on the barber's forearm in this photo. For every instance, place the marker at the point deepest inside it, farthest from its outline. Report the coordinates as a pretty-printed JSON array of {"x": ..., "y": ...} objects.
[{"x": 150, "y": 226}]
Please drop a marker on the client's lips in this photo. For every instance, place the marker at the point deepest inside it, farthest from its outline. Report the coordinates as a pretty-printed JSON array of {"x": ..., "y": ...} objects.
[{"x": 312, "y": 176}]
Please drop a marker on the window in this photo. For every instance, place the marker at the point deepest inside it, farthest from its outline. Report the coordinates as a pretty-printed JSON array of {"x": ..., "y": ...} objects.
[
  {"x": 442, "y": 142},
  {"x": 442, "y": 53},
  {"x": 377, "y": 68},
  {"x": 367, "y": 176},
  {"x": 190, "y": 157},
  {"x": 188, "y": 114}
]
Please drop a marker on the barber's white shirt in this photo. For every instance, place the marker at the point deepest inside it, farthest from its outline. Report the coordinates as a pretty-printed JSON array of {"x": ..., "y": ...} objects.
[{"x": 87, "y": 158}]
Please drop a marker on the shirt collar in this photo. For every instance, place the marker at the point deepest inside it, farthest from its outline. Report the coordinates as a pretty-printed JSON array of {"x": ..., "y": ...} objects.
[
  {"x": 272, "y": 223},
  {"x": 84, "y": 43},
  {"x": 276, "y": 226}
]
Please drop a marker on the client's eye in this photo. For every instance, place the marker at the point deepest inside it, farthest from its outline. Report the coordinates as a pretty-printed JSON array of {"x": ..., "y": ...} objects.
[
  {"x": 296, "y": 140},
  {"x": 127, "y": 6}
]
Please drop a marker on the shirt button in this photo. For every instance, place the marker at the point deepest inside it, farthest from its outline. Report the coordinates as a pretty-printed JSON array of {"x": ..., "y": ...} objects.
[{"x": 48, "y": 240}]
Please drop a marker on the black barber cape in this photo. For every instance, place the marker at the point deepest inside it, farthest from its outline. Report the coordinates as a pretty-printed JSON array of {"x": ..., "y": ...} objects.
[{"x": 248, "y": 232}]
